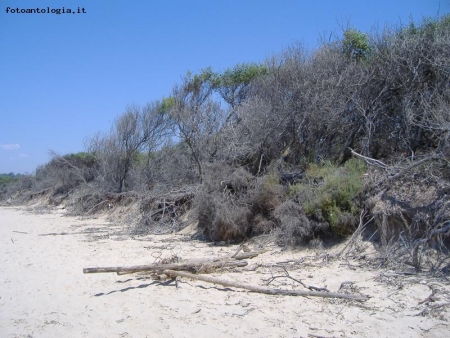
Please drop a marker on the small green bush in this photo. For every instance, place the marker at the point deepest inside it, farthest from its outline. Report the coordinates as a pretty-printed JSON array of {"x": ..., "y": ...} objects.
[
  {"x": 6, "y": 179},
  {"x": 330, "y": 193}
]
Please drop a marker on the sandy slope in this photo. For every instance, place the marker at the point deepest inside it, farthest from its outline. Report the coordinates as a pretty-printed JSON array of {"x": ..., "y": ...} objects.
[{"x": 43, "y": 292}]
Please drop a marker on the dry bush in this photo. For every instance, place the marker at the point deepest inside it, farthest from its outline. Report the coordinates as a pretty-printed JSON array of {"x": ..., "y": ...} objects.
[
  {"x": 172, "y": 166},
  {"x": 13, "y": 191},
  {"x": 267, "y": 195},
  {"x": 233, "y": 205},
  {"x": 59, "y": 178},
  {"x": 222, "y": 177},
  {"x": 231, "y": 223},
  {"x": 411, "y": 213},
  {"x": 411, "y": 205},
  {"x": 222, "y": 220},
  {"x": 221, "y": 207},
  {"x": 295, "y": 227},
  {"x": 263, "y": 225},
  {"x": 164, "y": 212},
  {"x": 90, "y": 202},
  {"x": 239, "y": 181}
]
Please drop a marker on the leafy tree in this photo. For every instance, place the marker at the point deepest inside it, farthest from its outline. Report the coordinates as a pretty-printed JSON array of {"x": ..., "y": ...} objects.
[
  {"x": 355, "y": 45},
  {"x": 234, "y": 84}
]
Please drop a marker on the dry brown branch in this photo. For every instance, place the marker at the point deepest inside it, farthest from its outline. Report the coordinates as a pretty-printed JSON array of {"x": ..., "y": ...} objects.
[
  {"x": 404, "y": 170},
  {"x": 370, "y": 161},
  {"x": 264, "y": 290},
  {"x": 415, "y": 254},
  {"x": 400, "y": 171},
  {"x": 357, "y": 233},
  {"x": 189, "y": 265}
]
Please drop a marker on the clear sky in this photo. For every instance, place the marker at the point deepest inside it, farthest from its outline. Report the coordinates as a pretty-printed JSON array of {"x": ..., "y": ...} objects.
[{"x": 64, "y": 77}]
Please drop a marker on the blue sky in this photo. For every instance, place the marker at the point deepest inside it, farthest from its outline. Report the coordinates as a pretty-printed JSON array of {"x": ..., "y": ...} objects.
[{"x": 65, "y": 77}]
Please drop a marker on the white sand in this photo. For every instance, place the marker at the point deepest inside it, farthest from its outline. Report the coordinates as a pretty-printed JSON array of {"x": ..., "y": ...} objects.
[{"x": 43, "y": 292}]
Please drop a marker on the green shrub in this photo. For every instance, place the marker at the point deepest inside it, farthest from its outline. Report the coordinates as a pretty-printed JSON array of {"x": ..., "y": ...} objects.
[
  {"x": 330, "y": 193},
  {"x": 6, "y": 179}
]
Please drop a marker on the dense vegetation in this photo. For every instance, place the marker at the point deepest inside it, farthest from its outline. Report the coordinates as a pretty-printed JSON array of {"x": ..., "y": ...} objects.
[{"x": 307, "y": 144}]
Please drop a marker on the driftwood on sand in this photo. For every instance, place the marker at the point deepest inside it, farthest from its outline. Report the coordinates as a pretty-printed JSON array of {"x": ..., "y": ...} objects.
[
  {"x": 180, "y": 269},
  {"x": 159, "y": 268},
  {"x": 190, "y": 265},
  {"x": 261, "y": 289}
]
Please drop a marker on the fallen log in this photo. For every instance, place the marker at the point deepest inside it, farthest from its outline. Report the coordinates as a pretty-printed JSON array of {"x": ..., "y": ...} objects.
[
  {"x": 264, "y": 290},
  {"x": 159, "y": 268},
  {"x": 191, "y": 265}
]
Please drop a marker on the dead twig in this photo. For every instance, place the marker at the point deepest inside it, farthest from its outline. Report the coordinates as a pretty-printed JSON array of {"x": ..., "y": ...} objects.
[
  {"x": 415, "y": 254},
  {"x": 430, "y": 309},
  {"x": 404, "y": 170},
  {"x": 287, "y": 275},
  {"x": 369, "y": 160},
  {"x": 357, "y": 233}
]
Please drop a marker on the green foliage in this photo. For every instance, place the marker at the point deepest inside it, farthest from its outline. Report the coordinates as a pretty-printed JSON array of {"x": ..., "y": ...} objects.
[
  {"x": 8, "y": 178},
  {"x": 195, "y": 83},
  {"x": 428, "y": 28},
  {"x": 167, "y": 103},
  {"x": 355, "y": 44},
  {"x": 329, "y": 192},
  {"x": 233, "y": 84},
  {"x": 241, "y": 74},
  {"x": 84, "y": 158}
]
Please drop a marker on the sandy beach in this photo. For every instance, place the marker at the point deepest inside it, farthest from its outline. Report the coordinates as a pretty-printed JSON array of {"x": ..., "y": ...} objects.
[{"x": 44, "y": 293}]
